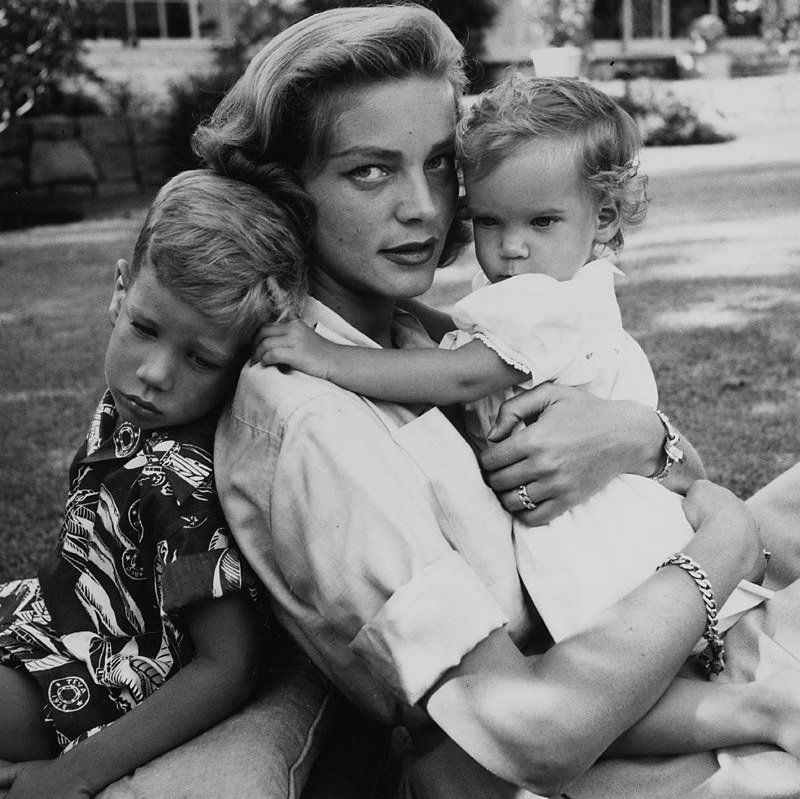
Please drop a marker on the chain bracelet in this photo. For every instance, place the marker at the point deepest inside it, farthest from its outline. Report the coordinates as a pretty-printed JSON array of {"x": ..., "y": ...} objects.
[{"x": 712, "y": 659}]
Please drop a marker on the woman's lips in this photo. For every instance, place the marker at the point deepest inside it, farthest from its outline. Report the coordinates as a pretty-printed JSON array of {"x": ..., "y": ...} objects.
[{"x": 413, "y": 253}]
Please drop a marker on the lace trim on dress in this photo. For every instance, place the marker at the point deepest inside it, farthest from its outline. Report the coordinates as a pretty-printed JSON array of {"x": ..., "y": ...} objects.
[{"x": 503, "y": 356}]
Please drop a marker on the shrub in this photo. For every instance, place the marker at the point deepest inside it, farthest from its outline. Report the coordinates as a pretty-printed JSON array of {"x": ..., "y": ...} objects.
[
  {"x": 191, "y": 101},
  {"x": 40, "y": 46},
  {"x": 666, "y": 120}
]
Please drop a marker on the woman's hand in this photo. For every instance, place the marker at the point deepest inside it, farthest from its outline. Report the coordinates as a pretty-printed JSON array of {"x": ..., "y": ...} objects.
[
  {"x": 35, "y": 779},
  {"x": 573, "y": 444}
]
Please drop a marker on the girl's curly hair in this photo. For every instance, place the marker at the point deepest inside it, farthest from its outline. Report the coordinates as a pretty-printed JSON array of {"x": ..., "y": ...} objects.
[{"x": 568, "y": 111}]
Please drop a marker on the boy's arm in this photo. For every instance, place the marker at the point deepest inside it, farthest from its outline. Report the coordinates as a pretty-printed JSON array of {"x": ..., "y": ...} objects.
[
  {"x": 432, "y": 376},
  {"x": 210, "y": 687}
]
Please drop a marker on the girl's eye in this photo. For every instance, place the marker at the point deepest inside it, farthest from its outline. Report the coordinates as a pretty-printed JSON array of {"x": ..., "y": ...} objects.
[
  {"x": 483, "y": 221},
  {"x": 542, "y": 221},
  {"x": 368, "y": 174}
]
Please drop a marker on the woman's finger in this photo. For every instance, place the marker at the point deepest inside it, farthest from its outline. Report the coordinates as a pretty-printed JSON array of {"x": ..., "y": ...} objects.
[
  {"x": 545, "y": 513},
  {"x": 522, "y": 408},
  {"x": 504, "y": 454},
  {"x": 522, "y": 471}
]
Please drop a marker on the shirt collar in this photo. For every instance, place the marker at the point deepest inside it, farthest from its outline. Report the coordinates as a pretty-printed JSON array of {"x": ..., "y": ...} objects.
[
  {"x": 163, "y": 448},
  {"x": 407, "y": 330}
]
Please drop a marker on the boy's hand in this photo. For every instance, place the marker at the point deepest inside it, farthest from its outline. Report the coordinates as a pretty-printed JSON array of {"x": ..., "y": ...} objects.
[{"x": 294, "y": 344}]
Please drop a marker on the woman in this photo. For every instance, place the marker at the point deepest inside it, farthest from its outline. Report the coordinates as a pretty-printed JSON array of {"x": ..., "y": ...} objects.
[{"x": 414, "y": 613}]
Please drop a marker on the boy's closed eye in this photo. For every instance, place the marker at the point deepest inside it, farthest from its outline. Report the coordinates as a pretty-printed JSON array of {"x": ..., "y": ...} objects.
[
  {"x": 143, "y": 329},
  {"x": 205, "y": 365}
]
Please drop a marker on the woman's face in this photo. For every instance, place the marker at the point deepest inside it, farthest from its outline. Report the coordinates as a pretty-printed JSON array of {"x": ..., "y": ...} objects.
[{"x": 385, "y": 191}]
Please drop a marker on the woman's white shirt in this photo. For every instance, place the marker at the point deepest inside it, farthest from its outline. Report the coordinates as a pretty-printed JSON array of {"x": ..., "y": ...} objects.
[{"x": 335, "y": 502}]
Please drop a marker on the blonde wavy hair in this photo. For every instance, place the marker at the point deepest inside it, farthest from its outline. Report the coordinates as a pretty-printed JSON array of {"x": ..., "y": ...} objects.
[
  {"x": 234, "y": 252},
  {"x": 283, "y": 108},
  {"x": 586, "y": 122}
]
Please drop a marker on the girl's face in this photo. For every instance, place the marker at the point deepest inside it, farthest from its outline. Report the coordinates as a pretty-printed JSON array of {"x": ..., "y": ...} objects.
[
  {"x": 532, "y": 213},
  {"x": 385, "y": 192}
]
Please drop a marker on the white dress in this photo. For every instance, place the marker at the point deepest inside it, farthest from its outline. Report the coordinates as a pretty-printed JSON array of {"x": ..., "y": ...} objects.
[{"x": 570, "y": 332}]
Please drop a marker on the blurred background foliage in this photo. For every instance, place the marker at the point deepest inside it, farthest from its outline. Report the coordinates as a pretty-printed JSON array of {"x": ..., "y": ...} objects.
[{"x": 40, "y": 47}]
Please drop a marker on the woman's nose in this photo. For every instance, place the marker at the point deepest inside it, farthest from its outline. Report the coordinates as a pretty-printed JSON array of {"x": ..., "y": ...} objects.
[
  {"x": 157, "y": 369},
  {"x": 417, "y": 200}
]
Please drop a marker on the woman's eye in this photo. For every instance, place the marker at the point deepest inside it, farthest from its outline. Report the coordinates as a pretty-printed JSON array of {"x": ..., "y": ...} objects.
[
  {"x": 542, "y": 221},
  {"x": 443, "y": 161},
  {"x": 368, "y": 174}
]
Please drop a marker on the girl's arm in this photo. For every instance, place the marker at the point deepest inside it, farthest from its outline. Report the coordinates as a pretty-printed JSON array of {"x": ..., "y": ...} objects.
[
  {"x": 436, "y": 323},
  {"x": 217, "y": 681},
  {"x": 431, "y": 376}
]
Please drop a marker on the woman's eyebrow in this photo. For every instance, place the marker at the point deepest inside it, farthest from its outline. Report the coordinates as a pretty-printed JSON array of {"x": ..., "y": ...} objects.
[
  {"x": 378, "y": 153},
  {"x": 366, "y": 152},
  {"x": 445, "y": 144}
]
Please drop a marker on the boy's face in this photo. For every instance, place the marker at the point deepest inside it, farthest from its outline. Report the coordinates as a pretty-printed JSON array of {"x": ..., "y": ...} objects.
[
  {"x": 166, "y": 363},
  {"x": 532, "y": 213}
]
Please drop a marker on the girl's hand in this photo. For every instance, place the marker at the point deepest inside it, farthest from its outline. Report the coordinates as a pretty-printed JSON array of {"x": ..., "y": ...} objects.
[
  {"x": 571, "y": 446},
  {"x": 36, "y": 779},
  {"x": 294, "y": 344}
]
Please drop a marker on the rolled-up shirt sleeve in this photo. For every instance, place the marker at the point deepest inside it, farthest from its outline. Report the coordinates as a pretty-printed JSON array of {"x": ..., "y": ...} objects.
[{"x": 338, "y": 522}]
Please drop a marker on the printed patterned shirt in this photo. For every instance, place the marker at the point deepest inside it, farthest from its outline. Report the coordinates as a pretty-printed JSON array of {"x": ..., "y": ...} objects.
[{"x": 143, "y": 536}]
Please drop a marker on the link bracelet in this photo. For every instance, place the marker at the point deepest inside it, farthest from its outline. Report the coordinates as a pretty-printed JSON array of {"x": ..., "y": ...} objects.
[{"x": 712, "y": 659}]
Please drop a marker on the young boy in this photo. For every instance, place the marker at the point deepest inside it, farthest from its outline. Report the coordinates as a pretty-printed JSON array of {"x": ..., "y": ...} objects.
[{"x": 145, "y": 597}]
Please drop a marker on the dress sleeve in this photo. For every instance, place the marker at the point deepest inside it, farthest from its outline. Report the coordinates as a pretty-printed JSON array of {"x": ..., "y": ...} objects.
[
  {"x": 335, "y": 518},
  {"x": 199, "y": 559},
  {"x": 531, "y": 321}
]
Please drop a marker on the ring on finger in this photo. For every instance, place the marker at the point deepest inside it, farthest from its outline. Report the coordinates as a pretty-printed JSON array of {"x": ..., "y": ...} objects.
[{"x": 527, "y": 502}]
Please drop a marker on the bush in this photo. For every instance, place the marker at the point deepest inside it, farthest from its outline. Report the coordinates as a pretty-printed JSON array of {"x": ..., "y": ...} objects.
[
  {"x": 40, "y": 46},
  {"x": 191, "y": 101},
  {"x": 665, "y": 120}
]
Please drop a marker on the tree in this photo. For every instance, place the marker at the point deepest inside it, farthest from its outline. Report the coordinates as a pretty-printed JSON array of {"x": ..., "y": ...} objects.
[
  {"x": 40, "y": 45},
  {"x": 468, "y": 19}
]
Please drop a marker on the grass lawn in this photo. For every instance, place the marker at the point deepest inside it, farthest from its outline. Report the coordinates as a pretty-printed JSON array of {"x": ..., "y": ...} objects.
[{"x": 724, "y": 345}]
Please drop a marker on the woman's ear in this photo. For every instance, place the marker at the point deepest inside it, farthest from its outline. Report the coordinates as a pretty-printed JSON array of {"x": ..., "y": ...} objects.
[
  {"x": 122, "y": 272},
  {"x": 608, "y": 221}
]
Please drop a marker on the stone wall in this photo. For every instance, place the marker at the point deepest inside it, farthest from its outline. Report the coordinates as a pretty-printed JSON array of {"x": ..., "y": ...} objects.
[{"x": 52, "y": 166}]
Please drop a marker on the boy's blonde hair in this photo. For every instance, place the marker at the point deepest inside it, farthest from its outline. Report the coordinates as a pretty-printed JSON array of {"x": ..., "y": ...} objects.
[
  {"x": 283, "y": 109},
  {"x": 603, "y": 137},
  {"x": 234, "y": 252}
]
